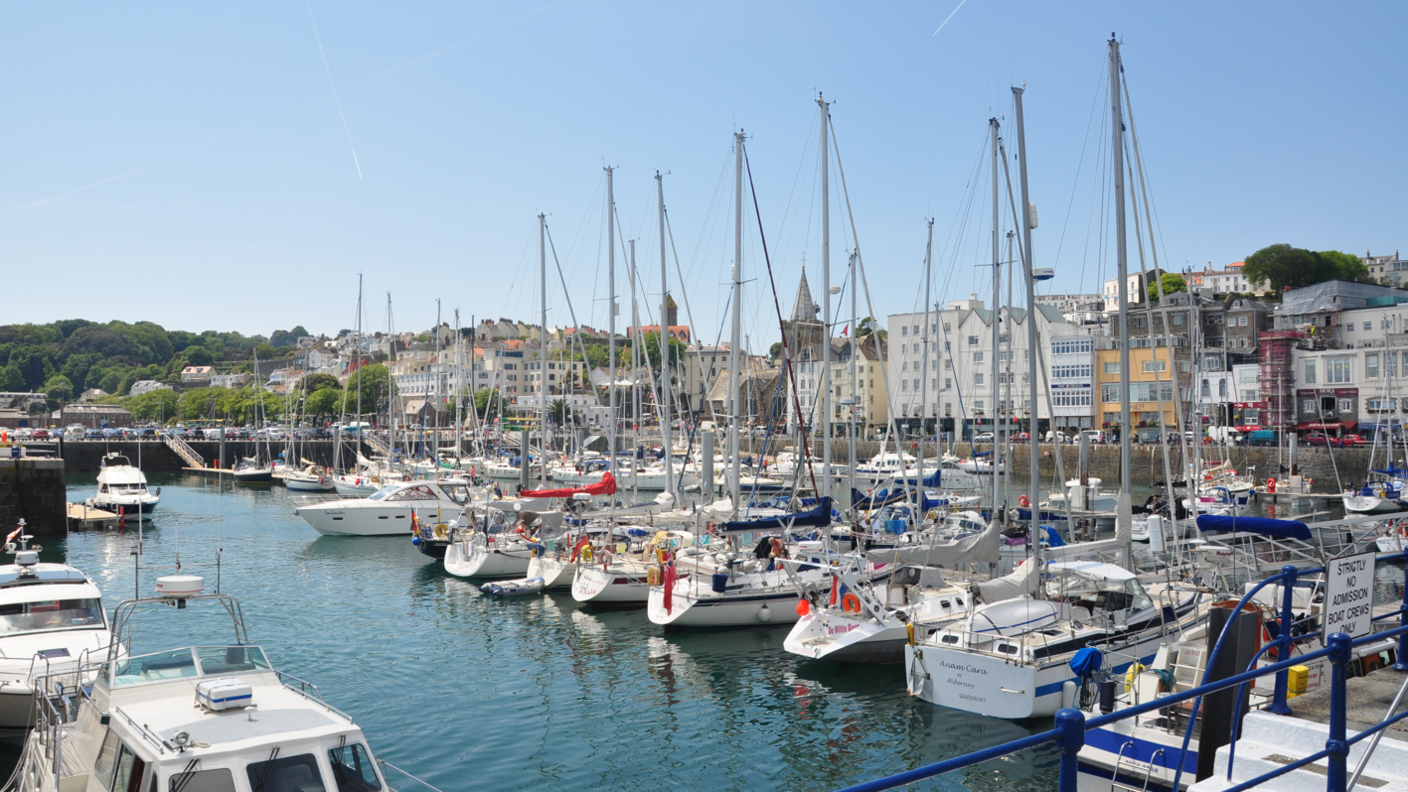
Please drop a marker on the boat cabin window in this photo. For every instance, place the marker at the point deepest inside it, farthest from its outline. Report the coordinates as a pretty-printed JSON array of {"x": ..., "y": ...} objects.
[
  {"x": 458, "y": 494},
  {"x": 352, "y": 768},
  {"x": 28, "y": 617},
  {"x": 130, "y": 769},
  {"x": 223, "y": 660},
  {"x": 383, "y": 492},
  {"x": 1098, "y": 594},
  {"x": 216, "y": 779},
  {"x": 286, "y": 774}
]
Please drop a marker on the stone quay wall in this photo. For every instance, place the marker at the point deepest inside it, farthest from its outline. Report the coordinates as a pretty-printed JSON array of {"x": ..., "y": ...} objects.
[
  {"x": 33, "y": 489},
  {"x": 85, "y": 456}
]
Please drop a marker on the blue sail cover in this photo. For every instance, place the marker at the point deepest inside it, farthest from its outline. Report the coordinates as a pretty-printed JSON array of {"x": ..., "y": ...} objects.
[
  {"x": 1284, "y": 529},
  {"x": 1393, "y": 471},
  {"x": 818, "y": 516}
]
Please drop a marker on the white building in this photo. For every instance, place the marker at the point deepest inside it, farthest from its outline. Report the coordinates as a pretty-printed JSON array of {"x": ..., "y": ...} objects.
[
  {"x": 1231, "y": 280},
  {"x": 953, "y": 378},
  {"x": 147, "y": 386},
  {"x": 1072, "y": 366}
]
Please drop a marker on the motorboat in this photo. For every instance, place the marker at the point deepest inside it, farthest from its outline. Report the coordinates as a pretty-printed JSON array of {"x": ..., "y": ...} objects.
[
  {"x": 251, "y": 471},
  {"x": 191, "y": 718},
  {"x": 1010, "y": 658},
  {"x": 1080, "y": 497},
  {"x": 51, "y": 622},
  {"x": 514, "y": 588},
  {"x": 387, "y": 512},
  {"x": 122, "y": 488}
]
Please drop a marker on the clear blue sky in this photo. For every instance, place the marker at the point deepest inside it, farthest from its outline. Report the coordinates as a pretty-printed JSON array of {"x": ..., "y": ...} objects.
[{"x": 188, "y": 164}]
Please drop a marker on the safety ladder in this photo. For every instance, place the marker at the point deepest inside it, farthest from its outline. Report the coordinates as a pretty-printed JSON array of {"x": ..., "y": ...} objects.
[{"x": 1133, "y": 765}]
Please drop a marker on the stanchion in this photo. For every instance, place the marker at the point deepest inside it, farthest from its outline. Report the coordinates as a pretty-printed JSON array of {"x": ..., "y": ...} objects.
[
  {"x": 1071, "y": 725},
  {"x": 1340, "y": 646},
  {"x": 1278, "y": 705}
]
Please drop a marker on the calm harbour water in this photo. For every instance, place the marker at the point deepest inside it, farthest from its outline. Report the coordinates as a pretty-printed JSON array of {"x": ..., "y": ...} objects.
[{"x": 538, "y": 693}]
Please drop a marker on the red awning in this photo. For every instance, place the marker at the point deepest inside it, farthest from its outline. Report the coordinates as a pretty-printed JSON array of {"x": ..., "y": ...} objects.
[
  {"x": 1349, "y": 425},
  {"x": 1300, "y": 427}
]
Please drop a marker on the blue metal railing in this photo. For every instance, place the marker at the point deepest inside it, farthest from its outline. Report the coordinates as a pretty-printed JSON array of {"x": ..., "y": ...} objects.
[{"x": 1071, "y": 724}]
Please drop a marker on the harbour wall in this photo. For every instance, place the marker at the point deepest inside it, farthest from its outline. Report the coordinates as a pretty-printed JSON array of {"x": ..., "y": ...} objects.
[
  {"x": 85, "y": 456},
  {"x": 33, "y": 489}
]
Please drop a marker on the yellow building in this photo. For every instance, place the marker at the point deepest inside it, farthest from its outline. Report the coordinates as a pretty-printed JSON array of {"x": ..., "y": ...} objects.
[{"x": 1149, "y": 383}]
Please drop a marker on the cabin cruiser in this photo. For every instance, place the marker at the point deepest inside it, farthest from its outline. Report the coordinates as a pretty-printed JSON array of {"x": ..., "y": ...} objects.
[
  {"x": 387, "y": 512},
  {"x": 122, "y": 488},
  {"x": 51, "y": 622},
  {"x": 192, "y": 718},
  {"x": 1010, "y": 658},
  {"x": 312, "y": 478},
  {"x": 1081, "y": 497}
]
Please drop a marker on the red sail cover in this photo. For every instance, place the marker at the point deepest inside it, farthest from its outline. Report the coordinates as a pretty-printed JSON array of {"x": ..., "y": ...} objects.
[{"x": 607, "y": 486}]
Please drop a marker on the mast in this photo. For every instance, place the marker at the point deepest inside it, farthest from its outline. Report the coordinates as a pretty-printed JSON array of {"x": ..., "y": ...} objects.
[
  {"x": 924, "y": 379},
  {"x": 542, "y": 347},
  {"x": 611, "y": 319},
  {"x": 1124, "y": 505},
  {"x": 664, "y": 409},
  {"x": 996, "y": 323},
  {"x": 826, "y": 304},
  {"x": 459, "y": 397},
  {"x": 636, "y": 338},
  {"x": 1034, "y": 484},
  {"x": 435, "y": 372},
  {"x": 855, "y": 392},
  {"x": 736, "y": 332}
]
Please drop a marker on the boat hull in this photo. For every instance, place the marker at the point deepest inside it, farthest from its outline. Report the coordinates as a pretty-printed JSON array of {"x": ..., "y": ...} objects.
[
  {"x": 332, "y": 519},
  {"x": 308, "y": 484},
  {"x": 847, "y": 640},
  {"x": 125, "y": 505},
  {"x": 597, "y": 586},
  {"x": 471, "y": 560},
  {"x": 753, "y": 609}
]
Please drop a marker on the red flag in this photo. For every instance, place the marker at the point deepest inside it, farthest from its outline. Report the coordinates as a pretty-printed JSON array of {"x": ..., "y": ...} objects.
[
  {"x": 670, "y": 577},
  {"x": 835, "y": 582},
  {"x": 578, "y": 548},
  {"x": 845, "y": 330}
]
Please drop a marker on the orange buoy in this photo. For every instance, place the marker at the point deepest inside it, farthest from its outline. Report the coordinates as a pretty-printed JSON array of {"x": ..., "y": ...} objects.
[{"x": 803, "y": 608}]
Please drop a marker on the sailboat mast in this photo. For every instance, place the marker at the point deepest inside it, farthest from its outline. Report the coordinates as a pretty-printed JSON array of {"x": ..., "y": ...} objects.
[
  {"x": 924, "y": 378},
  {"x": 855, "y": 391},
  {"x": 1124, "y": 507},
  {"x": 996, "y": 323},
  {"x": 736, "y": 331},
  {"x": 1034, "y": 483},
  {"x": 611, "y": 319},
  {"x": 543, "y": 346},
  {"x": 636, "y": 338},
  {"x": 825, "y": 303},
  {"x": 664, "y": 409}
]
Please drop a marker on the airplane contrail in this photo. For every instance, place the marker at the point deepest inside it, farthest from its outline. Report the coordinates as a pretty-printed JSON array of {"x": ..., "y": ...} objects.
[
  {"x": 334, "y": 91},
  {"x": 950, "y": 16}
]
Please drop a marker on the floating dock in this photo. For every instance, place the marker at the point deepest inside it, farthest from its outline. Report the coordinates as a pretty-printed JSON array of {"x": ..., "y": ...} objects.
[
  {"x": 209, "y": 471},
  {"x": 83, "y": 517}
]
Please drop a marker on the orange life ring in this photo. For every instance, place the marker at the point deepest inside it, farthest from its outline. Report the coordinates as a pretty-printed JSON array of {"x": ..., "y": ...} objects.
[
  {"x": 850, "y": 603},
  {"x": 1271, "y": 485},
  {"x": 1024, "y": 501}
]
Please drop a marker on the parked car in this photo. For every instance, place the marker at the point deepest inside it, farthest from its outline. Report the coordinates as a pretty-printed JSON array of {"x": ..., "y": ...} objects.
[
  {"x": 94, "y": 434},
  {"x": 985, "y": 437},
  {"x": 41, "y": 434},
  {"x": 1322, "y": 439},
  {"x": 1354, "y": 441}
]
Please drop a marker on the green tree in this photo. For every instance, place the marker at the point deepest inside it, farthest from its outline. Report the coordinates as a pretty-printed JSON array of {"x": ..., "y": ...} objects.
[
  {"x": 1172, "y": 283},
  {"x": 866, "y": 326},
  {"x": 1291, "y": 267},
  {"x": 316, "y": 382},
  {"x": 650, "y": 346},
  {"x": 76, "y": 368},
  {"x": 199, "y": 403},
  {"x": 58, "y": 389},
  {"x": 11, "y": 379},
  {"x": 160, "y": 404},
  {"x": 1346, "y": 266},
  {"x": 486, "y": 403},
  {"x": 198, "y": 356},
  {"x": 373, "y": 385},
  {"x": 323, "y": 403}
]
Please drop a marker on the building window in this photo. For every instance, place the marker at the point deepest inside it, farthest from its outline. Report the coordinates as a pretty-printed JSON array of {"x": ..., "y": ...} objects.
[
  {"x": 904, "y": 330},
  {"x": 972, "y": 340},
  {"x": 1346, "y": 405},
  {"x": 1150, "y": 366},
  {"x": 1207, "y": 390},
  {"x": 1110, "y": 393},
  {"x": 1178, "y": 319},
  {"x": 978, "y": 379},
  {"x": 904, "y": 385},
  {"x": 1308, "y": 406},
  {"x": 1222, "y": 389},
  {"x": 1337, "y": 370},
  {"x": 977, "y": 357},
  {"x": 1368, "y": 326},
  {"x": 948, "y": 383},
  {"x": 1371, "y": 365},
  {"x": 1112, "y": 368},
  {"x": 1309, "y": 372}
]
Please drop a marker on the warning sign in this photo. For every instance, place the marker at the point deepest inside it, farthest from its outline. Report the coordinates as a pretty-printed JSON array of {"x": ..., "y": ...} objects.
[{"x": 1349, "y": 596}]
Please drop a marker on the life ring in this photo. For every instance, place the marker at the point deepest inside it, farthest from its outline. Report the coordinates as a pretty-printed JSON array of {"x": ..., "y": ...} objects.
[
  {"x": 440, "y": 530},
  {"x": 587, "y": 553},
  {"x": 1271, "y": 485},
  {"x": 1024, "y": 501},
  {"x": 850, "y": 603},
  {"x": 1132, "y": 674}
]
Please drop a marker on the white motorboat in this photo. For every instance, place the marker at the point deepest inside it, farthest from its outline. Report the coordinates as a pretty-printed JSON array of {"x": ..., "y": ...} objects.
[
  {"x": 387, "y": 512},
  {"x": 1010, "y": 659},
  {"x": 193, "y": 718},
  {"x": 122, "y": 488},
  {"x": 1081, "y": 497},
  {"x": 51, "y": 622}
]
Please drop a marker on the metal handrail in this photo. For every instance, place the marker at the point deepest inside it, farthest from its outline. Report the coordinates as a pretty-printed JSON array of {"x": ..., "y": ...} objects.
[
  {"x": 416, "y": 779},
  {"x": 1071, "y": 724}
]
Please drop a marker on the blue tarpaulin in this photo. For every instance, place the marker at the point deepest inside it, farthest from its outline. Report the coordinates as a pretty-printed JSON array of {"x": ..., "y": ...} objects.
[
  {"x": 1285, "y": 529},
  {"x": 1086, "y": 662},
  {"x": 1053, "y": 537}
]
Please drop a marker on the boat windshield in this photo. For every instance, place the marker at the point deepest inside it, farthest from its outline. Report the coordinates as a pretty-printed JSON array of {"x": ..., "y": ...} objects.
[
  {"x": 29, "y": 617},
  {"x": 1097, "y": 593},
  {"x": 383, "y": 492},
  {"x": 182, "y": 663}
]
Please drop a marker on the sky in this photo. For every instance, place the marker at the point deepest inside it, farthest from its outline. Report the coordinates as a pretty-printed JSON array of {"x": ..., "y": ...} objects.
[{"x": 237, "y": 166}]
